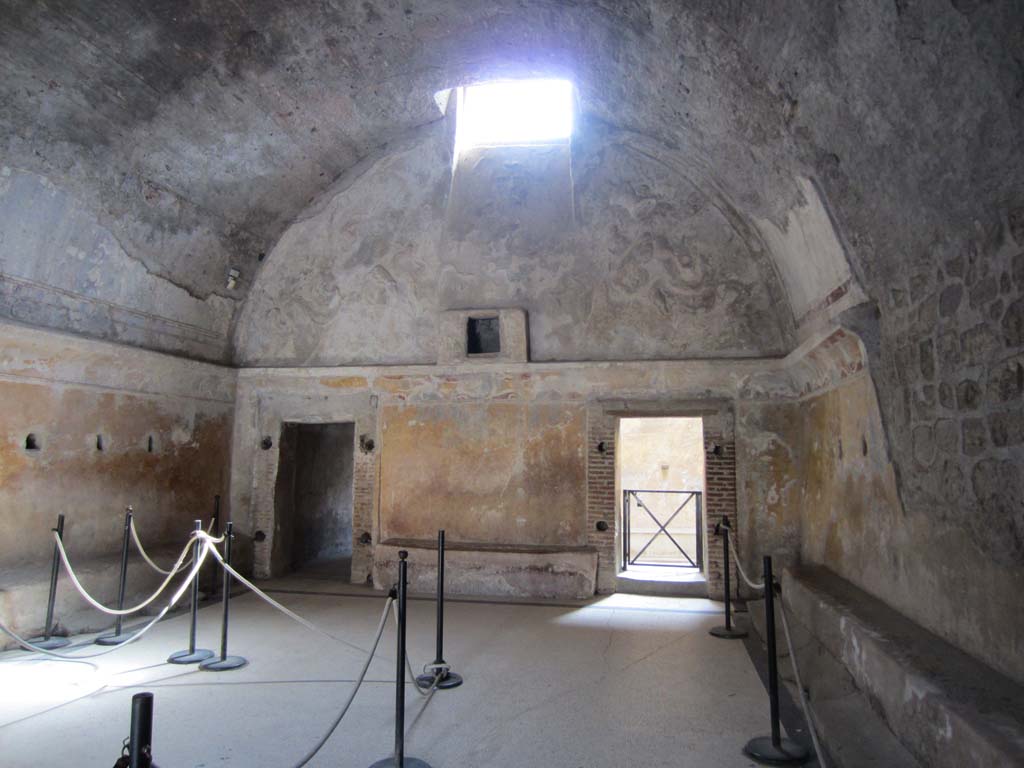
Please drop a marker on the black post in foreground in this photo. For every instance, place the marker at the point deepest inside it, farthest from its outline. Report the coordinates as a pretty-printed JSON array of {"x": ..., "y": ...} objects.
[
  {"x": 727, "y": 632},
  {"x": 117, "y": 636},
  {"x": 773, "y": 750},
  {"x": 48, "y": 641},
  {"x": 448, "y": 679},
  {"x": 192, "y": 655},
  {"x": 399, "y": 760},
  {"x": 140, "y": 739},
  {"x": 225, "y": 662}
]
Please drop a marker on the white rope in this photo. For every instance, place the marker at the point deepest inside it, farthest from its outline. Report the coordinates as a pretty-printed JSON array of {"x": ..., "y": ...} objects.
[
  {"x": 287, "y": 612},
  {"x": 739, "y": 566},
  {"x": 412, "y": 675},
  {"x": 149, "y": 560},
  {"x": 799, "y": 686},
  {"x": 134, "y": 637},
  {"x": 114, "y": 611},
  {"x": 351, "y": 697}
]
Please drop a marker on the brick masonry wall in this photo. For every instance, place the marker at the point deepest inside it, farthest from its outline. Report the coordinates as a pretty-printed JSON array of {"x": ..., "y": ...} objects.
[
  {"x": 719, "y": 500},
  {"x": 601, "y": 495},
  {"x": 364, "y": 481}
]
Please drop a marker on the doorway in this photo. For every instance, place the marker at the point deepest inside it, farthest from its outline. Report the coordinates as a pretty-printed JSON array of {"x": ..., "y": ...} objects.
[
  {"x": 660, "y": 477},
  {"x": 313, "y": 500}
]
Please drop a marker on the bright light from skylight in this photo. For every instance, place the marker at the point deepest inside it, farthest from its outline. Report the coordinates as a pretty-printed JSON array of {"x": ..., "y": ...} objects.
[{"x": 515, "y": 112}]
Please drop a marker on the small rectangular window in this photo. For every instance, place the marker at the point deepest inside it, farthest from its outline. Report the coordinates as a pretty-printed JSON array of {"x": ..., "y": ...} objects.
[{"x": 483, "y": 336}]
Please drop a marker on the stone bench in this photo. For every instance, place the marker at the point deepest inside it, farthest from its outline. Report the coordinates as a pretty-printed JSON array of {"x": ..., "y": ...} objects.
[
  {"x": 491, "y": 570},
  {"x": 24, "y": 591},
  {"x": 947, "y": 709}
]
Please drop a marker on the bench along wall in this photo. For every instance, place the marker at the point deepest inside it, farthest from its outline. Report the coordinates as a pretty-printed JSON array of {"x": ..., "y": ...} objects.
[{"x": 112, "y": 426}]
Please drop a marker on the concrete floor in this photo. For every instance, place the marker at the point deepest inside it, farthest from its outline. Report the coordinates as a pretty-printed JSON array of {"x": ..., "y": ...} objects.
[{"x": 624, "y": 680}]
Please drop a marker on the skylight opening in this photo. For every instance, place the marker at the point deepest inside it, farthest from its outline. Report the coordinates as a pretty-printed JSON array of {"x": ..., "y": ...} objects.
[{"x": 514, "y": 112}]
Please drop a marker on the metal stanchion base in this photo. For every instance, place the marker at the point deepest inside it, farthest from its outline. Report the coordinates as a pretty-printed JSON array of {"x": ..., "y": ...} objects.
[
  {"x": 409, "y": 762},
  {"x": 787, "y": 752},
  {"x": 728, "y": 634},
  {"x": 223, "y": 665},
  {"x": 451, "y": 680},
  {"x": 185, "y": 657},
  {"x": 49, "y": 644},
  {"x": 114, "y": 639}
]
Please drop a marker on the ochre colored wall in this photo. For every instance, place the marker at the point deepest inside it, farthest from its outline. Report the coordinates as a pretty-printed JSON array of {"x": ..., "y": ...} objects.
[
  {"x": 918, "y": 562},
  {"x": 497, "y": 473},
  {"x": 66, "y": 392}
]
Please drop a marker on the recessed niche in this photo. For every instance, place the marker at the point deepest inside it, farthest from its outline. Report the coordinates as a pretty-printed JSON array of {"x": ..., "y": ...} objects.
[
  {"x": 99, "y": 442},
  {"x": 483, "y": 336},
  {"x": 31, "y": 442},
  {"x": 149, "y": 444}
]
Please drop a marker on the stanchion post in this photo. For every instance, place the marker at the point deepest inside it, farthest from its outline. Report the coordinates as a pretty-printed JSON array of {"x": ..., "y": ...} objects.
[
  {"x": 398, "y": 759},
  {"x": 140, "y": 738},
  {"x": 728, "y": 632},
  {"x": 193, "y": 655},
  {"x": 448, "y": 678},
  {"x": 773, "y": 750},
  {"x": 48, "y": 641},
  {"x": 225, "y": 662},
  {"x": 117, "y": 636}
]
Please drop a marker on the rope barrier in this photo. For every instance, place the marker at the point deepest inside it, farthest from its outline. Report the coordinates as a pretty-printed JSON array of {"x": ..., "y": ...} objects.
[
  {"x": 739, "y": 566},
  {"x": 351, "y": 697},
  {"x": 440, "y": 669},
  {"x": 149, "y": 560},
  {"x": 131, "y": 639},
  {"x": 800, "y": 687},
  {"x": 113, "y": 611},
  {"x": 271, "y": 601}
]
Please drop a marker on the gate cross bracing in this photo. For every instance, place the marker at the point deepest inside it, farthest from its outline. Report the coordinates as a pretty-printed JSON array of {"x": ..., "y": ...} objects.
[{"x": 631, "y": 497}]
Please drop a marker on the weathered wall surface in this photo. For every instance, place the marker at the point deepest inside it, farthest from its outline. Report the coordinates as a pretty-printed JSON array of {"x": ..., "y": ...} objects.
[
  {"x": 66, "y": 392},
  {"x": 918, "y": 560},
  {"x": 535, "y": 417},
  {"x": 642, "y": 265},
  {"x": 493, "y": 473},
  {"x": 66, "y": 264}
]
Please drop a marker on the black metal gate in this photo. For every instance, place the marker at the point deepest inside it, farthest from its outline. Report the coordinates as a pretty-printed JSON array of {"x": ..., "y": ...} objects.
[{"x": 636, "y": 499}]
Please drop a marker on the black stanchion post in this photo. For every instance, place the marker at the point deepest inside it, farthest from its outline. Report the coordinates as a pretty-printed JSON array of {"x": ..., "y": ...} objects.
[
  {"x": 398, "y": 759},
  {"x": 728, "y": 632},
  {"x": 117, "y": 636},
  {"x": 448, "y": 678},
  {"x": 48, "y": 641},
  {"x": 193, "y": 654},
  {"x": 225, "y": 662},
  {"x": 140, "y": 739},
  {"x": 216, "y": 515},
  {"x": 773, "y": 750}
]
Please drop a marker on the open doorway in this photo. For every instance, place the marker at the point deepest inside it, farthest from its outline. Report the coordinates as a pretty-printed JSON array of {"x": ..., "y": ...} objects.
[
  {"x": 313, "y": 500},
  {"x": 660, "y": 467}
]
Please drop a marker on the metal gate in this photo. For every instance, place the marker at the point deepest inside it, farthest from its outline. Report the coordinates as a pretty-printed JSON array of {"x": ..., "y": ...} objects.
[{"x": 662, "y": 508}]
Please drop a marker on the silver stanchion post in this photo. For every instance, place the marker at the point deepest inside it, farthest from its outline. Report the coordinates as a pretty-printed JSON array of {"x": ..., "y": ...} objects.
[
  {"x": 398, "y": 759},
  {"x": 48, "y": 641},
  {"x": 118, "y": 636},
  {"x": 448, "y": 679},
  {"x": 728, "y": 632},
  {"x": 193, "y": 655},
  {"x": 225, "y": 662},
  {"x": 773, "y": 750}
]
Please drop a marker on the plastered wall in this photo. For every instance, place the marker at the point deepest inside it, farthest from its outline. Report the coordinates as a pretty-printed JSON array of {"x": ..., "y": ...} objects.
[{"x": 164, "y": 425}]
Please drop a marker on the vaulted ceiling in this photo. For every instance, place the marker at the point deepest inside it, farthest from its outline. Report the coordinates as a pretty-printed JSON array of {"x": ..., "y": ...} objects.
[{"x": 191, "y": 134}]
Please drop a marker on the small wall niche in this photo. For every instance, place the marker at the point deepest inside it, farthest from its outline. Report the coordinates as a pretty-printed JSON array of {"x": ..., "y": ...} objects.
[
  {"x": 483, "y": 336},
  {"x": 99, "y": 442},
  {"x": 32, "y": 442},
  {"x": 480, "y": 335}
]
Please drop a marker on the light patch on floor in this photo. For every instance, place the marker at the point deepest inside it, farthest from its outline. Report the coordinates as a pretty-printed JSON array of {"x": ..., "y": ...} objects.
[{"x": 625, "y": 680}]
